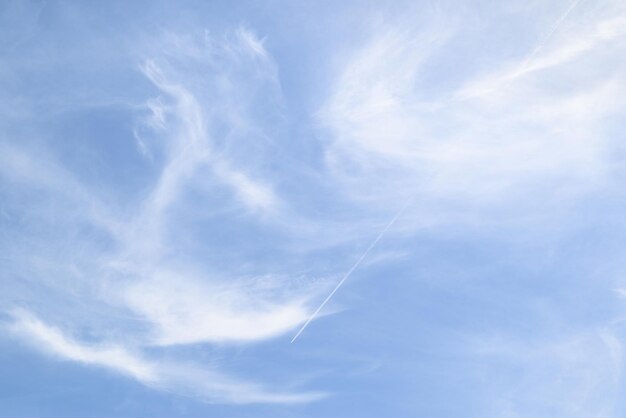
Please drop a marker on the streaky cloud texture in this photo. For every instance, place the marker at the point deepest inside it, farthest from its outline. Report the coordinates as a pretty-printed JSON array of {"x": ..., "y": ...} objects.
[{"x": 186, "y": 187}]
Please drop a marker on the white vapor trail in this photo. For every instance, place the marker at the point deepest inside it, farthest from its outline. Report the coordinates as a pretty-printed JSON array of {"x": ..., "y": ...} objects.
[
  {"x": 546, "y": 38},
  {"x": 522, "y": 69},
  {"x": 354, "y": 266}
]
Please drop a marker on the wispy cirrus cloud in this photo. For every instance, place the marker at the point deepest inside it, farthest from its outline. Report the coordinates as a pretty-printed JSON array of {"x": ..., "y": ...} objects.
[
  {"x": 184, "y": 310},
  {"x": 576, "y": 375},
  {"x": 530, "y": 126},
  {"x": 51, "y": 339},
  {"x": 173, "y": 205},
  {"x": 185, "y": 379},
  {"x": 190, "y": 135}
]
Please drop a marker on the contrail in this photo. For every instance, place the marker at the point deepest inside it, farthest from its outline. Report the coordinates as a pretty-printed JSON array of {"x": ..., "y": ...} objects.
[
  {"x": 354, "y": 266},
  {"x": 527, "y": 61},
  {"x": 546, "y": 38}
]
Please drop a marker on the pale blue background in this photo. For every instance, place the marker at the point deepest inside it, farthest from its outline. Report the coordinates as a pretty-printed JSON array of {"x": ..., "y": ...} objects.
[{"x": 481, "y": 301}]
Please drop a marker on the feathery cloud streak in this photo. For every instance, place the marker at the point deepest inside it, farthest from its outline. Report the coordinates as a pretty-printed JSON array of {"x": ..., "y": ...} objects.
[
  {"x": 526, "y": 127},
  {"x": 192, "y": 142}
]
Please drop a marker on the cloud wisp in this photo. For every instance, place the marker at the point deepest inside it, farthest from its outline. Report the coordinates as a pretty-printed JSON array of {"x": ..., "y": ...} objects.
[
  {"x": 175, "y": 203},
  {"x": 189, "y": 380},
  {"x": 525, "y": 127},
  {"x": 190, "y": 140}
]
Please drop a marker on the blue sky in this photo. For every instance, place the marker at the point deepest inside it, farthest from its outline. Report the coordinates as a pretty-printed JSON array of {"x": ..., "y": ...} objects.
[{"x": 182, "y": 184}]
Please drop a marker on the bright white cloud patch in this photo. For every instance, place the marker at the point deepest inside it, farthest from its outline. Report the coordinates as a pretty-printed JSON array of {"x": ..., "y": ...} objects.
[
  {"x": 187, "y": 311},
  {"x": 531, "y": 126}
]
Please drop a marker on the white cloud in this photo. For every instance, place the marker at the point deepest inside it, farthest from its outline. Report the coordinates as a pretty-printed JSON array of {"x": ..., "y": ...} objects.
[
  {"x": 185, "y": 379},
  {"x": 530, "y": 130},
  {"x": 506, "y": 137},
  {"x": 200, "y": 133},
  {"x": 562, "y": 50},
  {"x": 201, "y": 103},
  {"x": 183, "y": 310},
  {"x": 53, "y": 341}
]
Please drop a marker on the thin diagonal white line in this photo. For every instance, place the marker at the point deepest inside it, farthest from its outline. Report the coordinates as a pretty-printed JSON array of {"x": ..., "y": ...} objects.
[
  {"x": 527, "y": 61},
  {"x": 354, "y": 267},
  {"x": 546, "y": 38}
]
